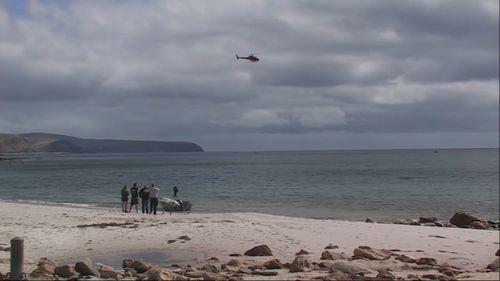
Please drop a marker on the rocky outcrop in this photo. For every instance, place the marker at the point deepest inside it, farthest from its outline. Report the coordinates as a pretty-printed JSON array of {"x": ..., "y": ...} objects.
[
  {"x": 329, "y": 255},
  {"x": 261, "y": 250},
  {"x": 494, "y": 266},
  {"x": 273, "y": 264}
]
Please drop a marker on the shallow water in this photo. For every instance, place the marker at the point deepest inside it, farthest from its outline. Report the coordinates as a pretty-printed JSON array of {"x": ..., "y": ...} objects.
[
  {"x": 160, "y": 257},
  {"x": 382, "y": 184}
]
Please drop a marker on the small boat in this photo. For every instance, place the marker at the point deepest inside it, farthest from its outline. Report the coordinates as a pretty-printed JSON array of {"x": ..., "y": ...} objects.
[{"x": 175, "y": 205}]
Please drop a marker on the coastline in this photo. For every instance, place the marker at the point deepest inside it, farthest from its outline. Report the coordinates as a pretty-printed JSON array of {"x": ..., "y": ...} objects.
[{"x": 63, "y": 233}]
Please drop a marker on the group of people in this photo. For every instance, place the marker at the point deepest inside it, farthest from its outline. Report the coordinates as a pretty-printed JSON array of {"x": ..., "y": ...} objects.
[{"x": 148, "y": 195}]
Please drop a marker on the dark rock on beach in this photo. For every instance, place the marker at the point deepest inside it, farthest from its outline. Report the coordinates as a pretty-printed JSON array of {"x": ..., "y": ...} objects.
[
  {"x": 329, "y": 255},
  {"x": 300, "y": 264},
  {"x": 273, "y": 264},
  {"x": 464, "y": 220},
  {"x": 261, "y": 250},
  {"x": 302, "y": 252},
  {"x": 65, "y": 271},
  {"x": 87, "y": 267},
  {"x": 330, "y": 247}
]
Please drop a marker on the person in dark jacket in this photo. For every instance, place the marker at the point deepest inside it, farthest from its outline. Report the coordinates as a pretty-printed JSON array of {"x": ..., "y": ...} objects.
[
  {"x": 144, "y": 195},
  {"x": 135, "y": 197}
]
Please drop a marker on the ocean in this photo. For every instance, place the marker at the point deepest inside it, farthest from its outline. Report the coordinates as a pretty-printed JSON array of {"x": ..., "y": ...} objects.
[{"x": 385, "y": 185}]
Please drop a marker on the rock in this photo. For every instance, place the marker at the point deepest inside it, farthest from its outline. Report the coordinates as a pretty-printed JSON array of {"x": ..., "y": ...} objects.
[
  {"x": 330, "y": 247},
  {"x": 427, "y": 261},
  {"x": 384, "y": 274},
  {"x": 261, "y": 250},
  {"x": 497, "y": 253},
  {"x": 107, "y": 271},
  {"x": 265, "y": 273},
  {"x": 462, "y": 219},
  {"x": 234, "y": 262},
  {"x": 405, "y": 258},
  {"x": 348, "y": 267},
  {"x": 300, "y": 264},
  {"x": 141, "y": 266},
  {"x": 213, "y": 276},
  {"x": 43, "y": 271},
  {"x": 46, "y": 261},
  {"x": 433, "y": 276},
  {"x": 210, "y": 268},
  {"x": 340, "y": 276},
  {"x": 130, "y": 272},
  {"x": 371, "y": 253},
  {"x": 159, "y": 274},
  {"x": 302, "y": 252},
  {"x": 369, "y": 220},
  {"x": 214, "y": 259},
  {"x": 184, "y": 237},
  {"x": 413, "y": 222},
  {"x": 194, "y": 274},
  {"x": 87, "y": 267},
  {"x": 478, "y": 225},
  {"x": 427, "y": 219},
  {"x": 329, "y": 255},
  {"x": 127, "y": 263},
  {"x": 495, "y": 265},
  {"x": 256, "y": 266},
  {"x": 65, "y": 271},
  {"x": 235, "y": 255},
  {"x": 273, "y": 264}
]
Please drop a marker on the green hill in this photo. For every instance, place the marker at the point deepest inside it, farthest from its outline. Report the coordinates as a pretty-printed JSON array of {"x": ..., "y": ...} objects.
[{"x": 42, "y": 142}]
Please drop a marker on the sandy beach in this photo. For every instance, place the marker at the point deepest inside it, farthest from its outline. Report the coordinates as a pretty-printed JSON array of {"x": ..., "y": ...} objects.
[{"x": 65, "y": 233}]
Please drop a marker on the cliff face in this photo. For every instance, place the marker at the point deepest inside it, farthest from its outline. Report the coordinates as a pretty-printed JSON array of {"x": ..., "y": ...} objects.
[{"x": 41, "y": 142}]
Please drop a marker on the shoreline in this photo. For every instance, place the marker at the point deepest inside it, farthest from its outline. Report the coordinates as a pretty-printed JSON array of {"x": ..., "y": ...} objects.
[{"x": 61, "y": 233}]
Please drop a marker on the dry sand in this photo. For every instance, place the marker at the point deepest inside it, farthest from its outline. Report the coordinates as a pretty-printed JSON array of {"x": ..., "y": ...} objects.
[{"x": 53, "y": 232}]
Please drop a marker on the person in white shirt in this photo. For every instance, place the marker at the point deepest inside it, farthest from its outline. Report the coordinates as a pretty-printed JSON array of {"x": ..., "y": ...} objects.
[{"x": 153, "y": 198}]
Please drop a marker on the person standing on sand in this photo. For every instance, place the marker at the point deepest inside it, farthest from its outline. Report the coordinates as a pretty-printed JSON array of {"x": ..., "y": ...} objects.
[
  {"x": 144, "y": 194},
  {"x": 124, "y": 198},
  {"x": 153, "y": 195},
  {"x": 135, "y": 198},
  {"x": 176, "y": 190}
]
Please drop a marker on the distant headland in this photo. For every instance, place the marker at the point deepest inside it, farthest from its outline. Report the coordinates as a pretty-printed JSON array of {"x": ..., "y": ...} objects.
[{"x": 43, "y": 142}]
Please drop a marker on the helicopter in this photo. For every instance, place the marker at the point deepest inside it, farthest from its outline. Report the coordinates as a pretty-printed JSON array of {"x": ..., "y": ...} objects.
[{"x": 251, "y": 58}]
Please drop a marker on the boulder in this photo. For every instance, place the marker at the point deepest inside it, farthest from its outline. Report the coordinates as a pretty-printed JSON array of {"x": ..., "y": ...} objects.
[
  {"x": 371, "y": 253},
  {"x": 141, "y": 266},
  {"x": 107, "y": 271},
  {"x": 340, "y": 275},
  {"x": 462, "y": 219},
  {"x": 65, "y": 271},
  {"x": 158, "y": 274},
  {"x": 479, "y": 225},
  {"x": 300, "y": 264},
  {"x": 261, "y": 250},
  {"x": 46, "y": 261},
  {"x": 329, "y": 255},
  {"x": 497, "y": 253},
  {"x": 210, "y": 268},
  {"x": 127, "y": 263},
  {"x": 427, "y": 220},
  {"x": 405, "y": 258},
  {"x": 331, "y": 247},
  {"x": 273, "y": 264},
  {"x": 87, "y": 267},
  {"x": 302, "y": 252},
  {"x": 384, "y": 274},
  {"x": 348, "y": 267},
  {"x": 427, "y": 261},
  {"x": 495, "y": 265},
  {"x": 369, "y": 220},
  {"x": 194, "y": 274},
  {"x": 265, "y": 273},
  {"x": 234, "y": 262},
  {"x": 43, "y": 271}
]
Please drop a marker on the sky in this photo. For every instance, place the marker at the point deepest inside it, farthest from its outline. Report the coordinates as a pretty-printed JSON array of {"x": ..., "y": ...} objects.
[{"x": 332, "y": 74}]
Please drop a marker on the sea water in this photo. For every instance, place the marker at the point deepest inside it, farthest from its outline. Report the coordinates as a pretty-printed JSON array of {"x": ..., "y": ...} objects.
[{"x": 381, "y": 184}]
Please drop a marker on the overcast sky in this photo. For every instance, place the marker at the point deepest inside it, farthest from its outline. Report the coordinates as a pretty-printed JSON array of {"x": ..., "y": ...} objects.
[{"x": 332, "y": 75}]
